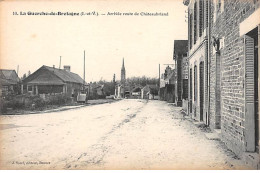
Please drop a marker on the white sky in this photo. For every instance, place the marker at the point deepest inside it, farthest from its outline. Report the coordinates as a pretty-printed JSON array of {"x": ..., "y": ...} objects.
[{"x": 144, "y": 42}]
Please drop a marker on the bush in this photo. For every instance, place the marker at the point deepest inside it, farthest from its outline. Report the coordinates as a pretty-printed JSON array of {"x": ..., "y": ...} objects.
[
  {"x": 14, "y": 104},
  {"x": 31, "y": 102},
  {"x": 39, "y": 102},
  {"x": 58, "y": 100},
  {"x": 3, "y": 108}
]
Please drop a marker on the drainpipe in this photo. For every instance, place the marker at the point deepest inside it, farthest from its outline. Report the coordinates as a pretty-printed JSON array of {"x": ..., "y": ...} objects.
[{"x": 209, "y": 40}]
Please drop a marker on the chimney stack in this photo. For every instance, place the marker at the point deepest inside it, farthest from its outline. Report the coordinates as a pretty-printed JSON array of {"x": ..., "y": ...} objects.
[{"x": 67, "y": 68}]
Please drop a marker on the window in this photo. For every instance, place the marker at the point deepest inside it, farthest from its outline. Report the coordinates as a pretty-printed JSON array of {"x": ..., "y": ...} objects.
[
  {"x": 190, "y": 30},
  {"x": 195, "y": 22},
  {"x": 29, "y": 88},
  {"x": 5, "y": 88},
  {"x": 201, "y": 17},
  {"x": 206, "y": 15}
]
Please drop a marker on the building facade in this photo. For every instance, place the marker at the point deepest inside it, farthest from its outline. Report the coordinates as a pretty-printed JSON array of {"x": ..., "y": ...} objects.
[
  {"x": 234, "y": 55},
  {"x": 181, "y": 63},
  {"x": 198, "y": 59},
  {"x": 224, "y": 71},
  {"x": 167, "y": 85},
  {"x": 9, "y": 82}
]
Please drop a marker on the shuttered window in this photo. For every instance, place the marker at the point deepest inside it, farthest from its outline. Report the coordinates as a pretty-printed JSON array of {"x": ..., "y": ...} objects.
[
  {"x": 249, "y": 94},
  {"x": 206, "y": 12},
  {"x": 201, "y": 17},
  {"x": 195, "y": 22},
  {"x": 190, "y": 30}
]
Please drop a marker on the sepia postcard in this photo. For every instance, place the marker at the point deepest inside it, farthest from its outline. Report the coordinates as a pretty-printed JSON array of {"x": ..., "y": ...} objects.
[{"x": 129, "y": 85}]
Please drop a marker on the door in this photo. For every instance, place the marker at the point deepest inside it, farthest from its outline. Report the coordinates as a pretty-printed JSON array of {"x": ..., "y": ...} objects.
[{"x": 201, "y": 90}]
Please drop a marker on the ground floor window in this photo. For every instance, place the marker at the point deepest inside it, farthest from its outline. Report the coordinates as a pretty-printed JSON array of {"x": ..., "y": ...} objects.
[{"x": 48, "y": 89}]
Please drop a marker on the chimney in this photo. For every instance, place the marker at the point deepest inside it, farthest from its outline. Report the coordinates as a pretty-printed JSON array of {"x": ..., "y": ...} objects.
[{"x": 67, "y": 68}]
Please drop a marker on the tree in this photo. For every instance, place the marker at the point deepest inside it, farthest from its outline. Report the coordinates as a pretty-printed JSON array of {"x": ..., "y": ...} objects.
[
  {"x": 114, "y": 78},
  {"x": 24, "y": 76}
]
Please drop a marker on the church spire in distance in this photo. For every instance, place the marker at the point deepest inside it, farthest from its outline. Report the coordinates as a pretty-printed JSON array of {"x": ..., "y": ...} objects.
[
  {"x": 123, "y": 73},
  {"x": 123, "y": 65}
]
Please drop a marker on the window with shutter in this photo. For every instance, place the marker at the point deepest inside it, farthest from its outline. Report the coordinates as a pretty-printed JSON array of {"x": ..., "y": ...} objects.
[
  {"x": 249, "y": 94},
  {"x": 195, "y": 22},
  {"x": 201, "y": 16},
  {"x": 206, "y": 11},
  {"x": 190, "y": 30}
]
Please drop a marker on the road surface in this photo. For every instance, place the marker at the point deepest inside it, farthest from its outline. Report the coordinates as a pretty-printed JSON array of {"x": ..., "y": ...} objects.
[{"x": 129, "y": 134}]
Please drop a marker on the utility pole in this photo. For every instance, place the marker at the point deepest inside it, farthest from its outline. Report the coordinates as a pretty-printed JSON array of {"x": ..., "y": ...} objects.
[
  {"x": 159, "y": 76},
  {"x": 159, "y": 81},
  {"x": 84, "y": 73},
  {"x": 17, "y": 70},
  {"x": 60, "y": 62}
]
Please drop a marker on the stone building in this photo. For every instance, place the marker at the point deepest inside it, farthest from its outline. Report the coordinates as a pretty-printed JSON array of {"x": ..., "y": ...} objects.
[
  {"x": 181, "y": 63},
  {"x": 167, "y": 85},
  {"x": 198, "y": 59},
  {"x": 224, "y": 69}
]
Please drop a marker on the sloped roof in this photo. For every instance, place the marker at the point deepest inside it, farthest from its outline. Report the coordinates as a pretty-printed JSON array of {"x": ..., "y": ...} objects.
[
  {"x": 170, "y": 76},
  {"x": 137, "y": 89},
  {"x": 153, "y": 86},
  {"x": 180, "y": 47},
  {"x": 9, "y": 75},
  {"x": 6, "y": 82},
  {"x": 64, "y": 75}
]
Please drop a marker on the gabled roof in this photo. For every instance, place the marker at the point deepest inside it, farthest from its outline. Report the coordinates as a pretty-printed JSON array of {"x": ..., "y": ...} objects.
[
  {"x": 170, "y": 76},
  {"x": 63, "y": 75},
  {"x": 9, "y": 75},
  {"x": 6, "y": 82},
  {"x": 180, "y": 47},
  {"x": 137, "y": 89},
  {"x": 153, "y": 86}
]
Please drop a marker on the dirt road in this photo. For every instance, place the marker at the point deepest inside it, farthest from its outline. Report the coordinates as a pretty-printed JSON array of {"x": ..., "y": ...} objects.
[{"x": 129, "y": 134}]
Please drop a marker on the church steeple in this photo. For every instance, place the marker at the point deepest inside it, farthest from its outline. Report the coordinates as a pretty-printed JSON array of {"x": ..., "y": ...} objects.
[
  {"x": 123, "y": 73},
  {"x": 123, "y": 66}
]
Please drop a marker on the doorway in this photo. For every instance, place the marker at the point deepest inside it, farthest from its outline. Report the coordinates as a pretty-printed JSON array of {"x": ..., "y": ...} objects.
[
  {"x": 201, "y": 89},
  {"x": 190, "y": 91}
]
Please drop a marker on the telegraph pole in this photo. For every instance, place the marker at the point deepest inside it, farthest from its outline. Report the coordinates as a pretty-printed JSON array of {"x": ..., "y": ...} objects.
[
  {"x": 159, "y": 76},
  {"x": 159, "y": 81},
  {"x": 60, "y": 62},
  {"x": 84, "y": 73},
  {"x": 17, "y": 70}
]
